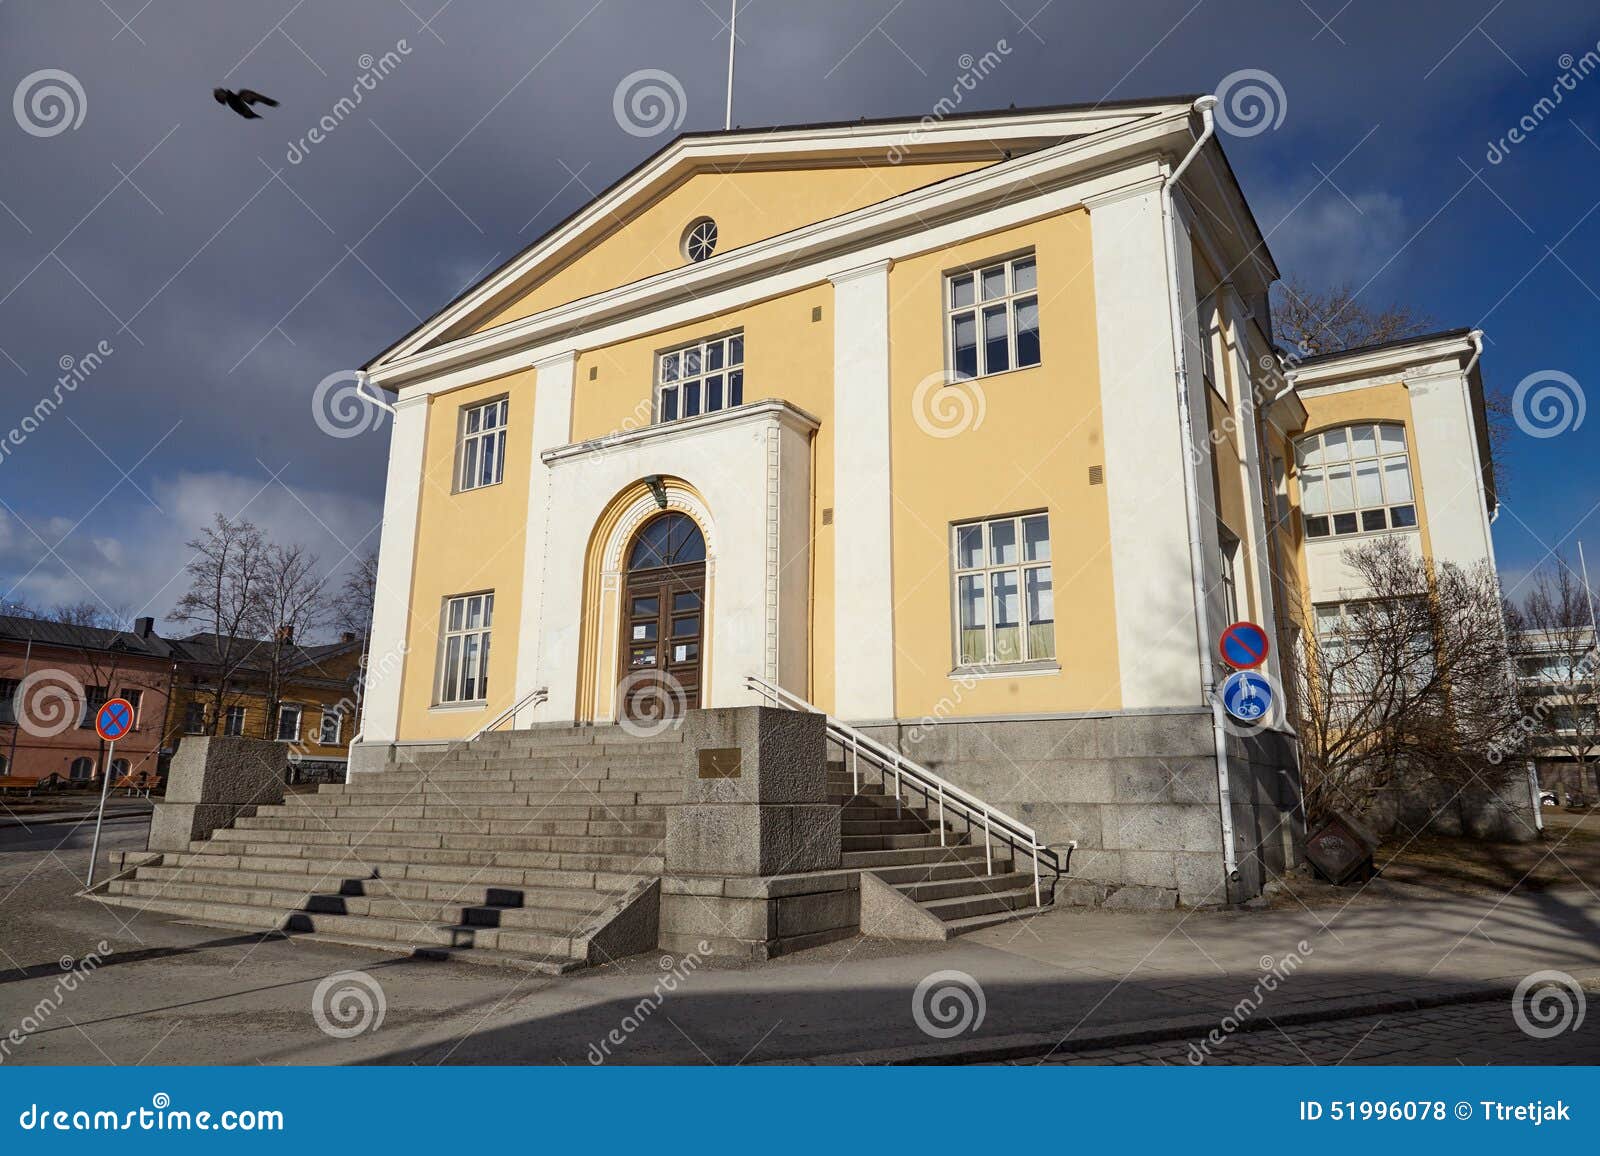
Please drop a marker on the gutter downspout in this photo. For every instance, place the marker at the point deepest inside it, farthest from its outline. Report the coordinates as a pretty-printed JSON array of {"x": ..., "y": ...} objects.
[
  {"x": 1476, "y": 337},
  {"x": 1191, "y": 501}
]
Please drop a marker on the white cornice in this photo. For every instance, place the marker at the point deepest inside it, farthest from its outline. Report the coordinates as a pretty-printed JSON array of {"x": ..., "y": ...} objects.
[
  {"x": 1372, "y": 363},
  {"x": 824, "y": 246},
  {"x": 754, "y": 413}
]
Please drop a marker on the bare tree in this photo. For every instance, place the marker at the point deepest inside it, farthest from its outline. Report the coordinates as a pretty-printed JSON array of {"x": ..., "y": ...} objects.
[
  {"x": 1407, "y": 693},
  {"x": 1308, "y": 321},
  {"x": 294, "y": 604},
  {"x": 356, "y": 597},
  {"x": 226, "y": 577},
  {"x": 1554, "y": 638}
]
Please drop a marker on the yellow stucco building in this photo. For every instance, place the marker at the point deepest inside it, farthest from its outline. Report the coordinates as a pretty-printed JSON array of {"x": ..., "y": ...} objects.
[{"x": 972, "y": 433}]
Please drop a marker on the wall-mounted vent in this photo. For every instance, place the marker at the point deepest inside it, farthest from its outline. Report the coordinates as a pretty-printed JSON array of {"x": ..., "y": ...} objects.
[
  {"x": 827, "y": 515},
  {"x": 1097, "y": 475},
  {"x": 594, "y": 372},
  {"x": 816, "y": 313}
]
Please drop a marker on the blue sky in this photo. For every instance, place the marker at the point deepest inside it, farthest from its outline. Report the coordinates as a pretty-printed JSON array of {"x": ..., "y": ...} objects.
[{"x": 228, "y": 281}]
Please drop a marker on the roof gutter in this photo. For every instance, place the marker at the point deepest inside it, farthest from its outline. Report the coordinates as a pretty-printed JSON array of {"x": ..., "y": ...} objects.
[{"x": 1191, "y": 499}]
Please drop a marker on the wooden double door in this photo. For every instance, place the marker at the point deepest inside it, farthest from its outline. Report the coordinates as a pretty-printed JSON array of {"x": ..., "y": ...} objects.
[{"x": 662, "y": 643}]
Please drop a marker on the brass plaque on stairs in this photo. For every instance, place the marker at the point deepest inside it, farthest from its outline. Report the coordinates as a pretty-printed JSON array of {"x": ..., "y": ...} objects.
[{"x": 720, "y": 763}]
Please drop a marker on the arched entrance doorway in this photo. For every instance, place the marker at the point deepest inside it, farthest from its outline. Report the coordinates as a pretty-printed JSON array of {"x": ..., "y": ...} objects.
[{"x": 663, "y": 620}]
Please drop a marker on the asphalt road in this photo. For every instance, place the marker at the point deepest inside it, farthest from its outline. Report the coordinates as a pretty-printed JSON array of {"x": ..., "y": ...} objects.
[{"x": 166, "y": 992}]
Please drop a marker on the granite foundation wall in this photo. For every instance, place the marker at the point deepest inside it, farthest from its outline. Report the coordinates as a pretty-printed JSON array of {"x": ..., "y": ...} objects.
[{"x": 1137, "y": 790}]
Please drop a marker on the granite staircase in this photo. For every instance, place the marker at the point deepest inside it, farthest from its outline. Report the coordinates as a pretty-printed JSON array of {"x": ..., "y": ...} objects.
[
  {"x": 952, "y": 877},
  {"x": 539, "y": 847}
]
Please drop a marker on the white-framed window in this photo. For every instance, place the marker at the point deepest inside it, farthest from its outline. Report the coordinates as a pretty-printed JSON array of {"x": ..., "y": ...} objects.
[
  {"x": 464, "y": 648},
  {"x": 94, "y": 697},
  {"x": 482, "y": 456},
  {"x": 1357, "y": 660},
  {"x": 233, "y": 721},
  {"x": 1206, "y": 316},
  {"x": 700, "y": 378},
  {"x": 700, "y": 239},
  {"x": 1355, "y": 480},
  {"x": 1228, "y": 548},
  {"x": 194, "y": 717},
  {"x": 135, "y": 699},
  {"x": 328, "y": 732},
  {"x": 992, "y": 317},
  {"x": 119, "y": 770},
  {"x": 289, "y": 722},
  {"x": 82, "y": 768},
  {"x": 1280, "y": 489},
  {"x": 8, "y": 701},
  {"x": 1004, "y": 598}
]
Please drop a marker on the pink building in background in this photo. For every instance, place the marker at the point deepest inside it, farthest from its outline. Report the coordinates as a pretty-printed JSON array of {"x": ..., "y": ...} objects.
[{"x": 54, "y": 675}]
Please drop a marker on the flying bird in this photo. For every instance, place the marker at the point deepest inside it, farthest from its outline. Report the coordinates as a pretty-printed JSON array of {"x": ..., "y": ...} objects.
[{"x": 241, "y": 101}]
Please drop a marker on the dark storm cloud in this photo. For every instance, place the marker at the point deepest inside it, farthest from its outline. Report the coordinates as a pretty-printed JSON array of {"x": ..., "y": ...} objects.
[{"x": 232, "y": 264}]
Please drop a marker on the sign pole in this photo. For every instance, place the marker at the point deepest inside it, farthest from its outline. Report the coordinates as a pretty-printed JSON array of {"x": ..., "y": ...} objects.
[{"x": 100, "y": 816}]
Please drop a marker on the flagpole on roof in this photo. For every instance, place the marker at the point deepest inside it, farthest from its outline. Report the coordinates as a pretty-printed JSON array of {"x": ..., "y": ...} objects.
[{"x": 733, "y": 38}]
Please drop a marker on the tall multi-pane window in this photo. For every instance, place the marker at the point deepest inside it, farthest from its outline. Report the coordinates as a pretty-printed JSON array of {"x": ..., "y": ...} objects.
[
  {"x": 8, "y": 705},
  {"x": 233, "y": 721},
  {"x": 992, "y": 318},
  {"x": 289, "y": 722},
  {"x": 194, "y": 718},
  {"x": 464, "y": 665},
  {"x": 700, "y": 378},
  {"x": 1005, "y": 602},
  {"x": 328, "y": 733},
  {"x": 1228, "y": 547},
  {"x": 135, "y": 699},
  {"x": 1356, "y": 480},
  {"x": 94, "y": 697},
  {"x": 483, "y": 445}
]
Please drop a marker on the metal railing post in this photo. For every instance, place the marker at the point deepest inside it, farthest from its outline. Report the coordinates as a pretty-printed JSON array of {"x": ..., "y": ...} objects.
[
  {"x": 988, "y": 847},
  {"x": 941, "y": 817}
]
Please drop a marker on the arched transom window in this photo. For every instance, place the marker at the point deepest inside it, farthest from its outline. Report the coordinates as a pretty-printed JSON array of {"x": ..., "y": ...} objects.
[
  {"x": 670, "y": 540},
  {"x": 1356, "y": 480}
]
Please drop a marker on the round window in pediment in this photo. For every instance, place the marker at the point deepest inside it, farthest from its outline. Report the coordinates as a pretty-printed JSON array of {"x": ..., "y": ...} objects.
[{"x": 700, "y": 239}]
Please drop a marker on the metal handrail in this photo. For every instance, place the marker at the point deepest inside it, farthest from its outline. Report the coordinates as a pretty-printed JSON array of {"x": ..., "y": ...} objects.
[
  {"x": 909, "y": 773},
  {"x": 532, "y": 698}
]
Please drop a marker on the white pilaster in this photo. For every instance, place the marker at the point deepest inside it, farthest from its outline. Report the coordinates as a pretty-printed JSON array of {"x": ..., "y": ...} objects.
[
  {"x": 552, "y": 426},
  {"x": 1445, "y": 458},
  {"x": 863, "y": 624},
  {"x": 380, "y": 712},
  {"x": 1156, "y": 631}
]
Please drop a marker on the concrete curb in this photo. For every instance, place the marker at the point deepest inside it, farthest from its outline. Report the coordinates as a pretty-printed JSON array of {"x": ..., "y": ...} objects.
[
  {"x": 47, "y": 819},
  {"x": 1037, "y": 1045}
]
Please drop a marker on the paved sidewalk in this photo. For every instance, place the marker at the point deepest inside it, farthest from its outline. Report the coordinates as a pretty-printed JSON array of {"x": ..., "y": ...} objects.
[{"x": 174, "y": 993}]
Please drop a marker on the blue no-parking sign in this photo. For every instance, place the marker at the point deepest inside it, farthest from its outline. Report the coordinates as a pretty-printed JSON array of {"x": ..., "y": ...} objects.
[
  {"x": 1244, "y": 645},
  {"x": 1247, "y": 696}
]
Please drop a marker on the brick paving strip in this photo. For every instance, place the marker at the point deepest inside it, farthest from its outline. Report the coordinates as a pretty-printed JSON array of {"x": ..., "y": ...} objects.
[{"x": 1051, "y": 1045}]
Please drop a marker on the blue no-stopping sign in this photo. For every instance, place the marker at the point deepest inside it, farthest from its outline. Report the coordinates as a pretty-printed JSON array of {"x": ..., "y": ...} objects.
[
  {"x": 1248, "y": 696},
  {"x": 114, "y": 719}
]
